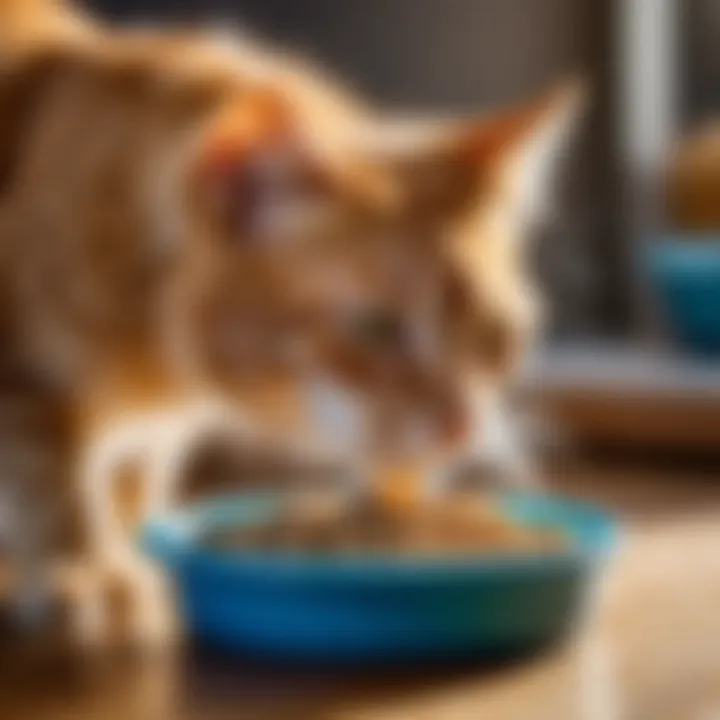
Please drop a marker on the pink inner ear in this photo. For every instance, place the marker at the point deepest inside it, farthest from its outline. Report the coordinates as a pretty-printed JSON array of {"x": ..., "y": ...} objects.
[
  {"x": 244, "y": 193},
  {"x": 222, "y": 181},
  {"x": 258, "y": 123},
  {"x": 232, "y": 175},
  {"x": 492, "y": 139},
  {"x": 254, "y": 191}
]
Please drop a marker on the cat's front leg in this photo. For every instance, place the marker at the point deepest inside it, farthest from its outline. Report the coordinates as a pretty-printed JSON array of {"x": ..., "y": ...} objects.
[
  {"x": 152, "y": 451},
  {"x": 148, "y": 454},
  {"x": 115, "y": 498}
]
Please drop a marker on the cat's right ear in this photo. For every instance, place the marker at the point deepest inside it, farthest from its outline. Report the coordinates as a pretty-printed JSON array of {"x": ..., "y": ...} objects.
[
  {"x": 258, "y": 176},
  {"x": 237, "y": 169}
]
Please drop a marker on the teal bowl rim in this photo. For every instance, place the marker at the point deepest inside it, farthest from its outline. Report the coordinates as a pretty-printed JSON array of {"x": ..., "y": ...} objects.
[
  {"x": 172, "y": 541},
  {"x": 680, "y": 237},
  {"x": 682, "y": 252}
]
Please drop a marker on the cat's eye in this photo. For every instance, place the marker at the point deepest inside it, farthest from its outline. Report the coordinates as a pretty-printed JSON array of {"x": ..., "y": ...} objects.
[{"x": 378, "y": 328}]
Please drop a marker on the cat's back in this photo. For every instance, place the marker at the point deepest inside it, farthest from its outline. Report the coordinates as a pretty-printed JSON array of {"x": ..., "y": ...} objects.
[{"x": 87, "y": 133}]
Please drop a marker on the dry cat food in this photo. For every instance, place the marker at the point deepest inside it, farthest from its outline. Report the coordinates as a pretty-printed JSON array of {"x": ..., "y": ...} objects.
[{"x": 450, "y": 527}]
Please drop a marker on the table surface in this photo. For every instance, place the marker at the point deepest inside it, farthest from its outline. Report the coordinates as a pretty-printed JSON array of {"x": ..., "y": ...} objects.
[{"x": 650, "y": 652}]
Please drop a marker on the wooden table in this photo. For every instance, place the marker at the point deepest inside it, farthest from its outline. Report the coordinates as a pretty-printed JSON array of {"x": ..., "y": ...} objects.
[{"x": 651, "y": 652}]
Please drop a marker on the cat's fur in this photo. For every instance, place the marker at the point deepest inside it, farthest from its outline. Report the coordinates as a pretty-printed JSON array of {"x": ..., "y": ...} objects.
[{"x": 196, "y": 235}]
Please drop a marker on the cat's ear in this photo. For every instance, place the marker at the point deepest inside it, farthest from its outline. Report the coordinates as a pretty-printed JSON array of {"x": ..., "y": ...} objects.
[
  {"x": 257, "y": 175},
  {"x": 448, "y": 164},
  {"x": 536, "y": 141}
]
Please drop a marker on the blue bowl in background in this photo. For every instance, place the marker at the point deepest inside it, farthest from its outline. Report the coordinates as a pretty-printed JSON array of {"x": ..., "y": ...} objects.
[
  {"x": 292, "y": 606},
  {"x": 686, "y": 275}
]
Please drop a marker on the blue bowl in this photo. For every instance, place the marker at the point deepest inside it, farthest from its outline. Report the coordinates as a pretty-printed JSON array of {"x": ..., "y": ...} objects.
[
  {"x": 686, "y": 276},
  {"x": 312, "y": 608}
]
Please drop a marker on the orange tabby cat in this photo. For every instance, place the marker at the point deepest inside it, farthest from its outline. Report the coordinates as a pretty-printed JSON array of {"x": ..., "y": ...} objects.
[{"x": 200, "y": 235}]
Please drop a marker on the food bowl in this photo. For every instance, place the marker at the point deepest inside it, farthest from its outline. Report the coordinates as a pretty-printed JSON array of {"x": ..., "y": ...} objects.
[
  {"x": 288, "y": 605},
  {"x": 686, "y": 275}
]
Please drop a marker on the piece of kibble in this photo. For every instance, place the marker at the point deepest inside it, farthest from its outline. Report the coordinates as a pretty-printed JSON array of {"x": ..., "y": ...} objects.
[
  {"x": 399, "y": 488},
  {"x": 399, "y": 527}
]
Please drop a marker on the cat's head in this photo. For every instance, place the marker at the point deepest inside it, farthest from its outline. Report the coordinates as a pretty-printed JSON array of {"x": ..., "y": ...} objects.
[{"x": 374, "y": 273}]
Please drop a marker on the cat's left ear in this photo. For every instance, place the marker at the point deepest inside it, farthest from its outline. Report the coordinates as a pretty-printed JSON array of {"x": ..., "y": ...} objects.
[
  {"x": 447, "y": 165},
  {"x": 538, "y": 139}
]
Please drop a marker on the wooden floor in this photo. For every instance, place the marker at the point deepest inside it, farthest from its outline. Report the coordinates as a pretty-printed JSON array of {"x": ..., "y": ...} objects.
[{"x": 652, "y": 651}]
